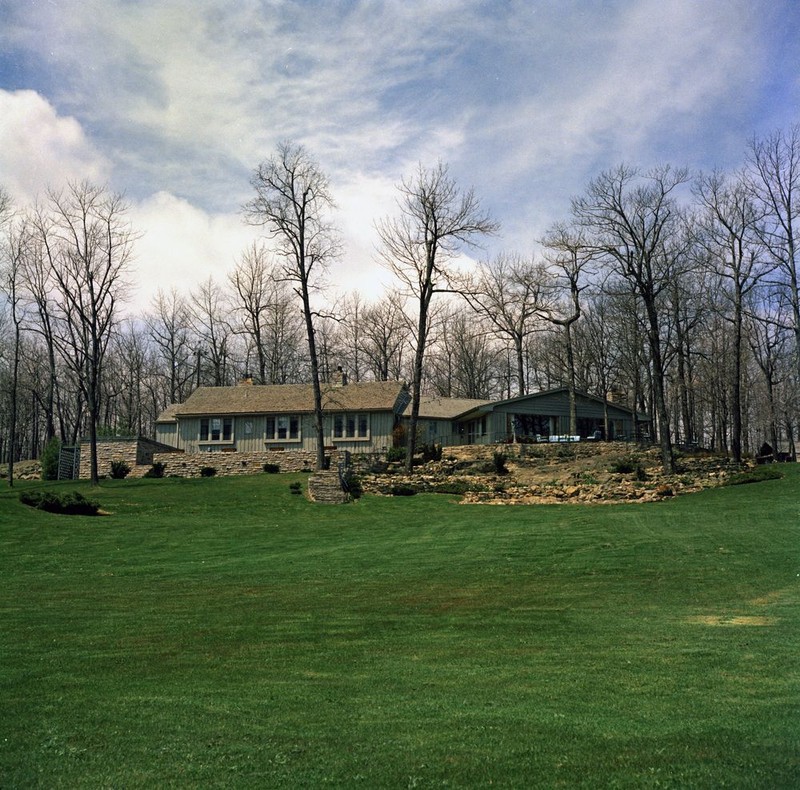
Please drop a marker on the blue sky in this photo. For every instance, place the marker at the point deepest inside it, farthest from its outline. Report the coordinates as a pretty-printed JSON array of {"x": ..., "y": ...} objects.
[{"x": 175, "y": 103}]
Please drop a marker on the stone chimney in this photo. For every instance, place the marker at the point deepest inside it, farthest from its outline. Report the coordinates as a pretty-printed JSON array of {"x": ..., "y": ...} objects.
[
  {"x": 617, "y": 396},
  {"x": 339, "y": 378}
]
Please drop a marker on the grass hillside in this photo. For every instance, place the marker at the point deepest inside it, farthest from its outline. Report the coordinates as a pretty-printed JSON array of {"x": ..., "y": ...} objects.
[{"x": 224, "y": 633}]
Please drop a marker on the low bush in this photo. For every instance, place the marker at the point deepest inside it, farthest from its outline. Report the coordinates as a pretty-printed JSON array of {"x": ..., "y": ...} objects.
[
  {"x": 499, "y": 463},
  {"x": 296, "y": 488},
  {"x": 272, "y": 469},
  {"x": 757, "y": 475},
  {"x": 395, "y": 454},
  {"x": 208, "y": 471},
  {"x": 70, "y": 503},
  {"x": 156, "y": 470},
  {"x": 629, "y": 465},
  {"x": 119, "y": 470},
  {"x": 431, "y": 452},
  {"x": 459, "y": 487},
  {"x": 352, "y": 484},
  {"x": 623, "y": 466},
  {"x": 402, "y": 490}
]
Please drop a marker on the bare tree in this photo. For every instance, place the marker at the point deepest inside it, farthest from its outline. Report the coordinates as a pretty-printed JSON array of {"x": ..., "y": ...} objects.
[
  {"x": 125, "y": 381},
  {"x": 728, "y": 222},
  {"x": 569, "y": 259},
  {"x": 688, "y": 305},
  {"x": 37, "y": 280},
  {"x": 385, "y": 338},
  {"x": 596, "y": 339},
  {"x": 13, "y": 250},
  {"x": 207, "y": 314},
  {"x": 251, "y": 280},
  {"x": 88, "y": 245},
  {"x": 463, "y": 361},
  {"x": 169, "y": 328},
  {"x": 774, "y": 177},
  {"x": 263, "y": 303},
  {"x": 436, "y": 219},
  {"x": 631, "y": 221},
  {"x": 509, "y": 292},
  {"x": 286, "y": 360},
  {"x": 352, "y": 333},
  {"x": 292, "y": 200},
  {"x": 768, "y": 341}
]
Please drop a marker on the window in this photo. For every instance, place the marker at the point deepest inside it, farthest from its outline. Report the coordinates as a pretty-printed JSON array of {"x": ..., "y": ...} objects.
[
  {"x": 476, "y": 430},
  {"x": 282, "y": 428},
  {"x": 216, "y": 429},
  {"x": 351, "y": 426}
]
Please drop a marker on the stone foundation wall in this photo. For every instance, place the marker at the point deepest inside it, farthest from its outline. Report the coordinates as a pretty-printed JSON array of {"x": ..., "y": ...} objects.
[
  {"x": 190, "y": 464},
  {"x": 138, "y": 453},
  {"x": 141, "y": 453}
]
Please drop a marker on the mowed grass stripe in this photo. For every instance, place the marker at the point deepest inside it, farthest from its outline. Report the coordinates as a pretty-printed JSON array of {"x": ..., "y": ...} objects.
[{"x": 223, "y": 632}]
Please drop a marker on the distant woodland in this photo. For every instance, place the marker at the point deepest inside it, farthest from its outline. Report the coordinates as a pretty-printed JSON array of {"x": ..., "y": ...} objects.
[{"x": 674, "y": 290}]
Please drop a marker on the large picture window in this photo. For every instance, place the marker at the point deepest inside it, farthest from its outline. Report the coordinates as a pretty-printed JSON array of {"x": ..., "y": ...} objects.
[
  {"x": 351, "y": 426},
  {"x": 283, "y": 428},
  {"x": 216, "y": 429}
]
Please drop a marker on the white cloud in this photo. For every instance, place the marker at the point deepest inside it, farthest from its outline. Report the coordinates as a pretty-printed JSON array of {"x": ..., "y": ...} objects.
[
  {"x": 645, "y": 82},
  {"x": 39, "y": 148},
  {"x": 361, "y": 200},
  {"x": 525, "y": 101},
  {"x": 181, "y": 246}
]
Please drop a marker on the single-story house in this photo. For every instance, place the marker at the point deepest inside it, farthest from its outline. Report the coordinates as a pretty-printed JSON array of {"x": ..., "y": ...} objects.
[
  {"x": 363, "y": 417},
  {"x": 541, "y": 416},
  {"x": 359, "y": 417}
]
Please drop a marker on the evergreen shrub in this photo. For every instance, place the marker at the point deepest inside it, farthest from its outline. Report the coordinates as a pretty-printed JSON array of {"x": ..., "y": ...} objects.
[
  {"x": 394, "y": 454},
  {"x": 49, "y": 459},
  {"x": 119, "y": 470},
  {"x": 156, "y": 470},
  {"x": 70, "y": 503}
]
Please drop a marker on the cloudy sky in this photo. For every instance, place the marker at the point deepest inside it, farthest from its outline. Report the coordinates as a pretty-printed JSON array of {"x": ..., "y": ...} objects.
[{"x": 175, "y": 102}]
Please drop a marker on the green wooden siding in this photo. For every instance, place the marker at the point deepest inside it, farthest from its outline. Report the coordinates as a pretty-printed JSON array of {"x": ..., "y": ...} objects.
[{"x": 249, "y": 435}]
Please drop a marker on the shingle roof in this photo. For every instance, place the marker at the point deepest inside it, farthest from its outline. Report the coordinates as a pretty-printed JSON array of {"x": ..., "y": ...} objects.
[
  {"x": 168, "y": 415},
  {"x": 579, "y": 393},
  {"x": 438, "y": 408},
  {"x": 289, "y": 398}
]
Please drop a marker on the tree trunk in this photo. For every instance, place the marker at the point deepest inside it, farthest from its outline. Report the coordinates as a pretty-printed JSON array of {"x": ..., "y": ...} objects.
[
  {"x": 573, "y": 409},
  {"x": 662, "y": 415},
  {"x": 419, "y": 359},
  {"x": 736, "y": 384}
]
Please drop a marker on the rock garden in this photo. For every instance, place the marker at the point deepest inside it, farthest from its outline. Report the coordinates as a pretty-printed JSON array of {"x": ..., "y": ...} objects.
[{"x": 583, "y": 472}]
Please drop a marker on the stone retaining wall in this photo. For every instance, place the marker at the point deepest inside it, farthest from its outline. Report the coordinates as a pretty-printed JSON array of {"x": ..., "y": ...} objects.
[
  {"x": 190, "y": 464},
  {"x": 134, "y": 451}
]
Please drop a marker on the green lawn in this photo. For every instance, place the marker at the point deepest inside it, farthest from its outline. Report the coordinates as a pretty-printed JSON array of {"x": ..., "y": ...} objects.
[{"x": 224, "y": 633}]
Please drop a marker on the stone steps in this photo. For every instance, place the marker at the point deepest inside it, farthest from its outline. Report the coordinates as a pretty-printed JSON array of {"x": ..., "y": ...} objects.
[{"x": 325, "y": 487}]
